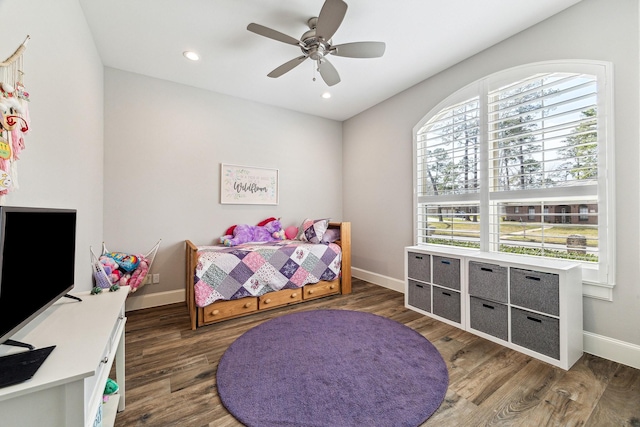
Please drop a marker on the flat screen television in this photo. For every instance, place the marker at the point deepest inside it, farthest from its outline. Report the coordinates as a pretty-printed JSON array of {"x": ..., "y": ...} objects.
[{"x": 37, "y": 263}]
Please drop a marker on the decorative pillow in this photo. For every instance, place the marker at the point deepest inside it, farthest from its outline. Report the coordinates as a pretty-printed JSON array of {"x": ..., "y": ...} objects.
[
  {"x": 330, "y": 236},
  {"x": 312, "y": 230}
]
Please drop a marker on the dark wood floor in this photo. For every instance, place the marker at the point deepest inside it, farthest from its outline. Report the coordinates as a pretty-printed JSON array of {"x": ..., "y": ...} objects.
[{"x": 170, "y": 372}]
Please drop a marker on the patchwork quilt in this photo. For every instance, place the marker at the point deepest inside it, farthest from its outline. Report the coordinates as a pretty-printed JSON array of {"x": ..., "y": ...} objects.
[{"x": 253, "y": 269}]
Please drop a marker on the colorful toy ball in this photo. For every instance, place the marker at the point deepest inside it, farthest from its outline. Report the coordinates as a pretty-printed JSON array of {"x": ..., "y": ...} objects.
[{"x": 291, "y": 232}]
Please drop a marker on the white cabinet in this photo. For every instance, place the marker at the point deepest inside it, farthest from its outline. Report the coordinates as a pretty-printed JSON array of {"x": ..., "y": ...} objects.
[
  {"x": 67, "y": 389},
  {"x": 528, "y": 304}
]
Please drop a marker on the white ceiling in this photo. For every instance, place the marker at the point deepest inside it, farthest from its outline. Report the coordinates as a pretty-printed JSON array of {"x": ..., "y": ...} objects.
[{"x": 422, "y": 38}]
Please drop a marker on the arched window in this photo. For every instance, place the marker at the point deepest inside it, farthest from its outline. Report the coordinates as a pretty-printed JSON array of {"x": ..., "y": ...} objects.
[{"x": 525, "y": 149}]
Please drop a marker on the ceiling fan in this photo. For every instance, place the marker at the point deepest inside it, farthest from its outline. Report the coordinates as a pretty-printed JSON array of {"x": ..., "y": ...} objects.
[{"x": 317, "y": 45}]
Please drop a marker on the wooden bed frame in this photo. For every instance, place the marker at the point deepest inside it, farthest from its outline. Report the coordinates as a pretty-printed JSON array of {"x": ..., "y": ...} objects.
[{"x": 224, "y": 310}]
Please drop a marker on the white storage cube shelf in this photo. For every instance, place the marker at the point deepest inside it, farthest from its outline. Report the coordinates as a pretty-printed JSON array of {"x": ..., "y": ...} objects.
[{"x": 528, "y": 304}]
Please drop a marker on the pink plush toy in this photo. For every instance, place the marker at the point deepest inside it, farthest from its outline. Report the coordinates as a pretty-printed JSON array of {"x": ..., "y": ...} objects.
[
  {"x": 243, "y": 233},
  {"x": 139, "y": 274}
]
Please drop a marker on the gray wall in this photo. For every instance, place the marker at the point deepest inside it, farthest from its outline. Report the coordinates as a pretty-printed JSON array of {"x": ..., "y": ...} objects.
[
  {"x": 164, "y": 143},
  {"x": 378, "y": 188},
  {"x": 62, "y": 163}
]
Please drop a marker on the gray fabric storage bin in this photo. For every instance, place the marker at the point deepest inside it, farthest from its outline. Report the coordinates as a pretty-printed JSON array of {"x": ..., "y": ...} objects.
[
  {"x": 419, "y": 295},
  {"x": 535, "y": 290},
  {"x": 536, "y": 332},
  {"x": 446, "y": 272},
  {"x": 446, "y": 303},
  {"x": 419, "y": 266},
  {"x": 489, "y": 317},
  {"x": 488, "y": 281}
]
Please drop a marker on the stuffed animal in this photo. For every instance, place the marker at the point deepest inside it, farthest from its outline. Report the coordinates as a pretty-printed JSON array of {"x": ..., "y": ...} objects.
[
  {"x": 139, "y": 274},
  {"x": 111, "y": 268},
  {"x": 124, "y": 280},
  {"x": 244, "y": 233},
  {"x": 280, "y": 235},
  {"x": 229, "y": 231}
]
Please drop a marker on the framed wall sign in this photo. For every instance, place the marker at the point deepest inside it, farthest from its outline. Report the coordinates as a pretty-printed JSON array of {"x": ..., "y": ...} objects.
[{"x": 245, "y": 185}]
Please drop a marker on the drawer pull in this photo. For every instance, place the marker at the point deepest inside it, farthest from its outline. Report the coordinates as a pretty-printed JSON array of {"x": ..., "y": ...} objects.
[
  {"x": 446, "y": 293},
  {"x": 247, "y": 305},
  {"x": 293, "y": 295},
  {"x": 267, "y": 301},
  {"x": 490, "y": 270},
  {"x": 488, "y": 306},
  {"x": 332, "y": 287},
  {"x": 215, "y": 312},
  {"x": 445, "y": 262},
  {"x": 534, "y": 319},
  {"x": 310, "y": 291},
  {"x": 537, "y": 279}
]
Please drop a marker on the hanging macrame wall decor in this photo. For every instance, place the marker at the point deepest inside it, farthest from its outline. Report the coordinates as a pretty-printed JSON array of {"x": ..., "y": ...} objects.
[{"x": 14, "y": 118}]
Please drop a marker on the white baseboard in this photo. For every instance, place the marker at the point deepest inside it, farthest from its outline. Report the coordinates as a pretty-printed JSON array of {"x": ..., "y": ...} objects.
[
  {"x": 598, "y": 345},
  {"x": 138, "y": 302},
  {"x": 612, "y": 349},
  {"x": 378, "y": 279}
]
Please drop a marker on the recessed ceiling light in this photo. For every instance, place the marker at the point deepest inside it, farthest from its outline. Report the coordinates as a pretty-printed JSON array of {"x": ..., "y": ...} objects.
[
  {"x": 326, "y": 95},
  {"x": 191, "y": 55}
]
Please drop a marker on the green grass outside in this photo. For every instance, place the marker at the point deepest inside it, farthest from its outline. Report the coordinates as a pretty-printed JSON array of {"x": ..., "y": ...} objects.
[{"x": 517, "y": 232}]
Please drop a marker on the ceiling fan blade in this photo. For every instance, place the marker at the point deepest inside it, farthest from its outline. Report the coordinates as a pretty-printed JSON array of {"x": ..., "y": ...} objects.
[
  {"x": 330, "y": 18},
  {"x": 359, "y": 49},
  {"x": 287, "y": 66},
  {"x": 272, "y": 34},
  {"x": 328, "y": 72}
]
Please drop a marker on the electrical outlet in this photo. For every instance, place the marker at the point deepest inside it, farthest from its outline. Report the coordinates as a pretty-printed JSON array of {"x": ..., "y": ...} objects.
[
  {"x": 156, "y": 278},
  {"x": 147, "y": 280}
]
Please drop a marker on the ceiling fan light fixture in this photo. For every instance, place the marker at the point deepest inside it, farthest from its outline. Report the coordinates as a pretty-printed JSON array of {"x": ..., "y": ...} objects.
[
  {"x": 316, "y": 43},
  {"x": 326, "y": 95},
  {"x": 191, "y": 55}
]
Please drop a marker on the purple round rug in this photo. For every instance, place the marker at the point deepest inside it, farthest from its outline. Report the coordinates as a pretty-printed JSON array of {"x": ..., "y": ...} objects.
[{"x": 332, "y": 368}]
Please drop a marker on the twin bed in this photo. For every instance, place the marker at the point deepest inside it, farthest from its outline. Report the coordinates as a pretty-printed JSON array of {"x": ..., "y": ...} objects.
[{"x": 224, "y": 283}]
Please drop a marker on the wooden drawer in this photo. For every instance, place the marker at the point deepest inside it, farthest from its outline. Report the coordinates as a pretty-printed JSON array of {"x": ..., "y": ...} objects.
[
  {"x": 222, "y": 310},
  {"x": 321, "y": 289},
  {"x": 279, "y": 298}
]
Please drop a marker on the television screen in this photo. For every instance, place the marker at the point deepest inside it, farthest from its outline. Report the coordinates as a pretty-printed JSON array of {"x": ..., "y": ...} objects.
[{"x": 37, "y": 262}]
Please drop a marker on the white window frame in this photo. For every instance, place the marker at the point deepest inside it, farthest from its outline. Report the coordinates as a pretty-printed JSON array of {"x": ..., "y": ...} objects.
[{"x": 598, "y": 280}]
